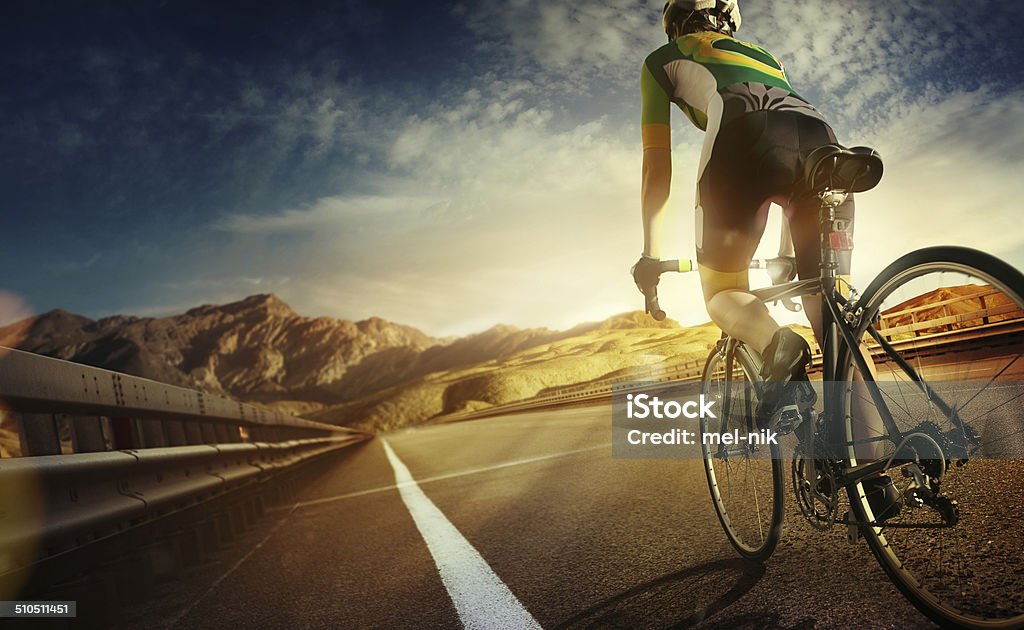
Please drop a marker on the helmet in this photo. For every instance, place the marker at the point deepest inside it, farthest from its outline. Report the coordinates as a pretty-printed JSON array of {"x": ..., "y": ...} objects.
[{"x": 716, "y": 15}]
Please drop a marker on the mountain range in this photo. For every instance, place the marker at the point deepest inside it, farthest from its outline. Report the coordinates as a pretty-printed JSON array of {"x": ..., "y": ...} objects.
[
  {"x": 372, "y": 373},
  {"x": 379, "y": 375}
]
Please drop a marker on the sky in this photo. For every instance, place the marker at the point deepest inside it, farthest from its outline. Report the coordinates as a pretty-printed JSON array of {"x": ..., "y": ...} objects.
[{"x": 449, "y": 165}]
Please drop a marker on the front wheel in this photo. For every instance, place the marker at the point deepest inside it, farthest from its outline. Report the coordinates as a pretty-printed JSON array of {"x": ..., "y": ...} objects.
[
  {"x": 745, "y": 479},
  {"x": 945, "y": 329}
]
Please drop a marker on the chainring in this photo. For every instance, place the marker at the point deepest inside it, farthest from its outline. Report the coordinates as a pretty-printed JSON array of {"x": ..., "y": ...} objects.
[{"x": 817, "y": 498}]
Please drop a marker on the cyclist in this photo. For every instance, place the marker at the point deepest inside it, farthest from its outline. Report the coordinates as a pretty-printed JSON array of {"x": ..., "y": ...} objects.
[{"x": 757, "y": 130}]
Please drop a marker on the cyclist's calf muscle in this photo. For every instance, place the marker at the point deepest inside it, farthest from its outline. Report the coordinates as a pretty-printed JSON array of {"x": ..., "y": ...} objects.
[{"x": 743, "y": 316}]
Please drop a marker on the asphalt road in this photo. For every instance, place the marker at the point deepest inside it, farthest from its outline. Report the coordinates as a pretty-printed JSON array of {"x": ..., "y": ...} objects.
[{"x": 578, "y": 538}]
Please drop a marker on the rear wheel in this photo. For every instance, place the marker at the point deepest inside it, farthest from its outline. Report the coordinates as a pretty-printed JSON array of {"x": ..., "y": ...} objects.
[
  {"x": 745, "y": 480},
  {"x": 954, "y": 317}
]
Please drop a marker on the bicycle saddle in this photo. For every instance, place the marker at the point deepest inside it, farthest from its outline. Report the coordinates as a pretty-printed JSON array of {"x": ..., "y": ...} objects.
[{"x": 831, "y": 167}]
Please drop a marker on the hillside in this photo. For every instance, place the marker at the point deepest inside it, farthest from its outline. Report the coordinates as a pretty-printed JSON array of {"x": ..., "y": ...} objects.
[
  {"x": 380, "y": 375},
  {"x": 608, "y": 349},
  {"x": 372, "y": 373},
  {"x": 256, "y": 350}
]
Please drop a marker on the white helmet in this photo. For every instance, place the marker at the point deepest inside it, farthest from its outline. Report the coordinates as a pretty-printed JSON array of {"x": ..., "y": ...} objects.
[{"x": 720, "y": 15}]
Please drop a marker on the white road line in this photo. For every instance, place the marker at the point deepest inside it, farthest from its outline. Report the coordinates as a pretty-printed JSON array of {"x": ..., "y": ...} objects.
[
  {"x": 481, "y": 599},
  {"x": 458, "y": 473}
]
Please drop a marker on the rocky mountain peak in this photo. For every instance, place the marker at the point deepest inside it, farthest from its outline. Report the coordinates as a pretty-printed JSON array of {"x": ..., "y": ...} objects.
[
  {"x": 265, "y": 302},
  {"x": 261, "y": 305}
]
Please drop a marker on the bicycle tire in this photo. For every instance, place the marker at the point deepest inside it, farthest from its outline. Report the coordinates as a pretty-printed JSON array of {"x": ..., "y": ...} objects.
[
  {"x": 752, "y": 530},
  {"x": 960, "y": 565}
]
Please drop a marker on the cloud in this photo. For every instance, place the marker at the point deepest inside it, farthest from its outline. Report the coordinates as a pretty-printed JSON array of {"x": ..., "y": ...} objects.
[
  {"x": 497, "y": 203},
  {"x": 506, "y": 189},
  {"x": 328, "y": 213},
  {"x": 951, "y": 166},
  {"x": 572, "y": 44},
  {"x": 73, "y": 265},
  {"x": 502, "y": 201},
  {"x": 853, "y": 62},
  {"x": 12, "y": 309},
  {"x": 874, "y": 56}
]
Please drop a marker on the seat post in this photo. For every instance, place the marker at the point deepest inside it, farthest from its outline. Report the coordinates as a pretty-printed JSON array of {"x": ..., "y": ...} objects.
[{"x": 830, "y": 200}]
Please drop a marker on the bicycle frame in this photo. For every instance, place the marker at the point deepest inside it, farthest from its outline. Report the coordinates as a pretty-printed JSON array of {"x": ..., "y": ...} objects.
[{"x": 840, "y": 325}]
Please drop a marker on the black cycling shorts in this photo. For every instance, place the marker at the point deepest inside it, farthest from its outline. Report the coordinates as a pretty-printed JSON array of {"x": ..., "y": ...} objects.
[{"x": 756, "y": 157}]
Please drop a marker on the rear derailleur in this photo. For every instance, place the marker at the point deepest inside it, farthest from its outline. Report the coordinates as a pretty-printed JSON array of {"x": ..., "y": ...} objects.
[
  {"x": 925, "y": 489},
  {"x": 931, "y": 455}
]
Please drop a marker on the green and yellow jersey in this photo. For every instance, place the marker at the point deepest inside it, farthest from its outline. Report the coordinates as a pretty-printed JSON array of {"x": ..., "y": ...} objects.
[{"x": 711, "y": 77}]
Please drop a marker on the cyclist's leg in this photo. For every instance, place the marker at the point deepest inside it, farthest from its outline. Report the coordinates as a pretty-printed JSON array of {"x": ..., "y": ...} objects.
[
  {"x": 732, "y": 205},
  {"x": 740, "y": 314},
  {"x": 729, "y": 301},
  {"x": 803, "y": 218}
]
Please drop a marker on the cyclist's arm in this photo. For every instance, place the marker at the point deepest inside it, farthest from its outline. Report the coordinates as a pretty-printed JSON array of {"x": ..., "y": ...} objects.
[
  {"x": 657, "y": 181},
  {"x": 786, "y": 249},
  {"x": 657, "y": 162}
]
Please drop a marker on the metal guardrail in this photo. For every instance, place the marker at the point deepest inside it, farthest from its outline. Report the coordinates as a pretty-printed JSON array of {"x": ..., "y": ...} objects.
[
  {"x": 104, "y": 452},
  {"x": 103, "y": 410}
]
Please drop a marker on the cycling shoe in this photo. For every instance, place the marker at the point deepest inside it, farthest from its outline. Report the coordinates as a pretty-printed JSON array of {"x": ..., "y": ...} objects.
[
  {"x": 785, "y": 362},
  {"x": 786, "y": 356},
  {"x": 883, "y": 497}
]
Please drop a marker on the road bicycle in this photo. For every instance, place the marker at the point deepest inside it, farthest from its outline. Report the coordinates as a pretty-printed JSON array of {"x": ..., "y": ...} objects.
[{"x": 920, "y": 380}]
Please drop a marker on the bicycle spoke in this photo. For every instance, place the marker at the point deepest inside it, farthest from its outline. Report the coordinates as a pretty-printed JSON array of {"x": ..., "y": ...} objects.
[
  {"x": 877, "y": 432},
  {"x": 896, "y": 379},
  {"x": 881, "y": 390},
  {"x": 1002, "y": 437},
  {"x": 999, "y": 406},
  {"x": 757, "y": 508},
  {"x": 998, "y": 374}
]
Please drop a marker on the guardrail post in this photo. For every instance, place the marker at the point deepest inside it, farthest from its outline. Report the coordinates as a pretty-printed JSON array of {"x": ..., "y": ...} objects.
[
  {"x": 175, "y": 433},
  {"x": 38, "y": 433},
  {"x": 124, "y": 433},
  {"x": 223, "y": 433},
  {"x": 87, "y": 434},
  {"x": 193, "y": 433},
  {"x": 209, "y": 433},
  {"x": 152, "y": 433}
]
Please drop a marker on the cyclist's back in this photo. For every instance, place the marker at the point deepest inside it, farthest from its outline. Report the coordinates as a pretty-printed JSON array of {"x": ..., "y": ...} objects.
[{"x": 758, "y": 131}]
